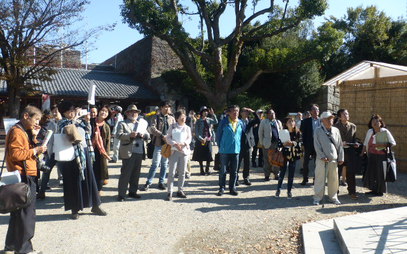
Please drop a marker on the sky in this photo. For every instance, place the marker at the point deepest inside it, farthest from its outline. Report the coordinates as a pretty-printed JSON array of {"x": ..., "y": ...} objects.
[{"x": 109, "y": 43}]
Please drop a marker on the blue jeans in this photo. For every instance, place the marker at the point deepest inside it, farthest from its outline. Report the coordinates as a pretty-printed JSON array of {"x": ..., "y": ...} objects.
[
  {"x": 157, "y": 161},
  {"x": 228, "y": 161},
  {"x": 291, "y": 169}
]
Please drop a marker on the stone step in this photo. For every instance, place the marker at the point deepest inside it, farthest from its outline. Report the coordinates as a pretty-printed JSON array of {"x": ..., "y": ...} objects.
[
  {"x": 319, "y": 237},
  {"x": 383, "y": 231}
]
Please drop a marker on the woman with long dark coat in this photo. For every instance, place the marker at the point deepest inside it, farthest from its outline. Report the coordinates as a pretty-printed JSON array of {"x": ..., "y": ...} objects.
[
  {"x": 101, "y": 143},
  {"x": 80, "y": 188},
  {"x": 203, "y": 136}
]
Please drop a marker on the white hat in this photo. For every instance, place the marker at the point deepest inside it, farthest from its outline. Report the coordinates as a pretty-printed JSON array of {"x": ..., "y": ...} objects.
[{"x": 326, "y": 114}]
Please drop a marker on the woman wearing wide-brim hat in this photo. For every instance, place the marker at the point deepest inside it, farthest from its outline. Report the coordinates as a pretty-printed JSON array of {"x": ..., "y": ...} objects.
[{"x": 203, "y": 146}]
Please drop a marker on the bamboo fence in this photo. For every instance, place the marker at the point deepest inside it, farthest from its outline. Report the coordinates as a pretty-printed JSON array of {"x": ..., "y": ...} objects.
[{"x": 384, "y": 96}]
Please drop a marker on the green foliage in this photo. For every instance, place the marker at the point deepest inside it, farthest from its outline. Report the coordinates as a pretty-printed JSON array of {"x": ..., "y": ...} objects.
[
  {"x": 291, "y": 90},
  {"x": 212, "y": 59},
  {"x": 247, "y": 100},
  {"x": 370, "y": 35},
  {"x": 180, "y": 83}
]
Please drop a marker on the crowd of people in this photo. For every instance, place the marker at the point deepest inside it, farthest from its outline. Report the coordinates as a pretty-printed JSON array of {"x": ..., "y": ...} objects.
[{"x": 244, "y": 136}]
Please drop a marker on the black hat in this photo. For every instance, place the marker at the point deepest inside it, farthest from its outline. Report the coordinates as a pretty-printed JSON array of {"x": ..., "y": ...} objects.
[{"x": 203, "y": 108}]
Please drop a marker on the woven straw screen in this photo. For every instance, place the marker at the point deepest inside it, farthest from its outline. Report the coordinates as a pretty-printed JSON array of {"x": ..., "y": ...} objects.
[{"x": 386, "y": 97}]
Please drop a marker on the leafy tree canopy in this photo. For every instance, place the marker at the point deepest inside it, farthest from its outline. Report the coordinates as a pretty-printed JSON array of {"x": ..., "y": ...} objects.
[{"x": 211, "y": 60}]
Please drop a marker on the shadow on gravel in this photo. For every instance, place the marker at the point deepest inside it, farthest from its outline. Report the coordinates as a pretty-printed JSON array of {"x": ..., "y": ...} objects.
[
  {"x": 227, "y": 202},
  {"x": 331, "y": 209}
]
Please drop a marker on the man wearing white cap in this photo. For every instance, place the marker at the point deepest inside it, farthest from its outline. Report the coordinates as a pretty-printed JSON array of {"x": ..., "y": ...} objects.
[{"x": 329, "y": 153}]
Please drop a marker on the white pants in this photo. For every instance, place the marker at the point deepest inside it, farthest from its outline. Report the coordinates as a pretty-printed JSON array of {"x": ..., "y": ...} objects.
[
  {"x": 177, "y": 161},
  {"x": 326, "y": 170}
]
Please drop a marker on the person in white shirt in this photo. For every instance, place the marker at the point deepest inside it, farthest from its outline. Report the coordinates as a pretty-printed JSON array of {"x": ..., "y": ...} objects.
[{"x": 179, "y": 137}]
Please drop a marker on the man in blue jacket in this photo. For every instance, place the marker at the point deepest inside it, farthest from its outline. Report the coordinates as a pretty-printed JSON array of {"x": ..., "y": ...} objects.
[{"x": 228, "y": 137}]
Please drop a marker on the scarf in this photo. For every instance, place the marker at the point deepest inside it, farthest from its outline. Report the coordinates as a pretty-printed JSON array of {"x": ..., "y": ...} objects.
[
  {"x": 80, "y": 155},
  {"x": 98, "y": 140}
]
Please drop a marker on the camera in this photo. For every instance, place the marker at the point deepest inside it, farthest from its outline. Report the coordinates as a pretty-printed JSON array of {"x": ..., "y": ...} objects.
[{"x": 42, "y": 166}]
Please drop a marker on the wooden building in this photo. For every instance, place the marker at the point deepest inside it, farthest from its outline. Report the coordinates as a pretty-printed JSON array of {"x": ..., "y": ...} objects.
[{"x": 376, "y": 88}]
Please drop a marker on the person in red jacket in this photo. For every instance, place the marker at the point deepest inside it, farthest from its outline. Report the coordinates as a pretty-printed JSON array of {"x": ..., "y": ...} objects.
[{"x": 21, "y": 155}]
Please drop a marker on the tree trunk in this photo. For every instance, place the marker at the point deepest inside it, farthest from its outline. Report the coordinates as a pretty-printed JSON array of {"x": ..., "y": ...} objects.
[
  {"x": 218, "y": 101},
  {"x": 14, "y": 103}
]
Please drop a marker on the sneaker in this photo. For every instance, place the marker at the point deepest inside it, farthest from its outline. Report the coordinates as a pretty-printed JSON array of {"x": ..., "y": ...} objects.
[
  {"x": 161, "y": 186},
  {"x": 278, "y": 193},
  {"x": 169, "y": 197},
  {"x": 221, "y": 192},
  {"x": 237, "y": 183},
  {"x": 247, "y": 182},
  {"x": 121, "y": 199},
  {"x": 187, "y": 176},
  {"x": 289, "y": 195},
  {"x": 276, "y": 176},
  {"x": 112, "y": 161},
  {"x": 336, "y": 201},
  {"x": 342, "y": 183},
  {"x": 145, "y": 187},
  {"x": 267, "y": 178},
  {"x": 234, "y": 193},
  {"x": 316, "y": 202},
  {"x": 181, "y": 194},
  {"x": 98, "y": 211}
]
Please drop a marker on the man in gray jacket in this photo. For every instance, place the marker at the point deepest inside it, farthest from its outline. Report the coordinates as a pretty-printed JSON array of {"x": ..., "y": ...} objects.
[
  {"x": 132, "y": 134},
  {"x": 329, "y": 153}
]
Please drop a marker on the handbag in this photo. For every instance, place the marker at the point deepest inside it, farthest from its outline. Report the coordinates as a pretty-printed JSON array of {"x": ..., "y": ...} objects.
[
  {"x": 391, "y": 169},
  {"x": 166, "y": 151},
  {"x": 13, "y": 196},
  {"x": 276, "y": 157},
  {"x": 63, "y": 148},
  {"x": 73, "y": 134}
]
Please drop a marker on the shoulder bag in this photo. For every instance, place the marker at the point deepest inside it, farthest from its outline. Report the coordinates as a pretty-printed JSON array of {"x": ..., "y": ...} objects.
[
  {"x": 276, "y": 157},
  {"x": 63, "y": 148},
  {"x": 391, "y": 169}
]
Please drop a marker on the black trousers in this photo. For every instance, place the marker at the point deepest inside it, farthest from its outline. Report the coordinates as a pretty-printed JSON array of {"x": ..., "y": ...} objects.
[
  {"x": 254, "y": 155},
  {"x": 245, "y": 156},
  {"x": 130, "y": 174},
  {"x": 350, "y": 164},
  {"x": 307, "y": 154},
  {"x": 21, "y": 226}
]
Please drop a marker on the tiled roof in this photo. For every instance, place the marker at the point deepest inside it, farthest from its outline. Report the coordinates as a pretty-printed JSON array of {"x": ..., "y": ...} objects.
[{"x": 75, "y": 83}]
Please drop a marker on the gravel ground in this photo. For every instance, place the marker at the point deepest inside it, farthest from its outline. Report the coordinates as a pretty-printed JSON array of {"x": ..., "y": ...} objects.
[{"x": 253, "y": 222}]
